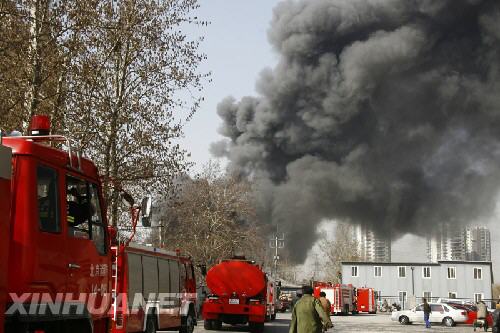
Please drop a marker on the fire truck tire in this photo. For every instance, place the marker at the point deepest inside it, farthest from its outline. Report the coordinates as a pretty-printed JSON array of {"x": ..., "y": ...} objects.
[
  {"x": 256, "y": 327},
  {"x": 207, "y": 324},
  {"x": 188, "y": 323},
  {"x": 150, "y": 324}
]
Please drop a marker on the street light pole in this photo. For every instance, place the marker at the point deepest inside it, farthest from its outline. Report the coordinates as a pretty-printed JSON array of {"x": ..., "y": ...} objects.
[{"x": 412, "y": 281}]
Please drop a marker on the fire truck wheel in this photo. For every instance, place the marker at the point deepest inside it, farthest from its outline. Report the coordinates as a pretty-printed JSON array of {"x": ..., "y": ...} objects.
[
  {"x": 150, "y": 325},
  {"x": 188, "y": 324}
]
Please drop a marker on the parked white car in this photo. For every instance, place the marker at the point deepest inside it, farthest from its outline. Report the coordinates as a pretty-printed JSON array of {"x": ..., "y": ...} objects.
[{"x": 441, "y": 313}]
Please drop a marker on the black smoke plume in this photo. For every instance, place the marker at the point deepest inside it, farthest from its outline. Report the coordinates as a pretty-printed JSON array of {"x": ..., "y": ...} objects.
[{"x": 380, "y": 112}]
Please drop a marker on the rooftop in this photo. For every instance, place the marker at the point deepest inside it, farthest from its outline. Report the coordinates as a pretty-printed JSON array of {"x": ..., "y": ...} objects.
[{"x": 440, "y": 262}]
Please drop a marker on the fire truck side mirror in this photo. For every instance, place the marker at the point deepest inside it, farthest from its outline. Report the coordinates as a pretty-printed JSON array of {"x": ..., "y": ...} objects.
[
  {"x": 127, "y": 197},
  {"x": 146, "y": 205}
]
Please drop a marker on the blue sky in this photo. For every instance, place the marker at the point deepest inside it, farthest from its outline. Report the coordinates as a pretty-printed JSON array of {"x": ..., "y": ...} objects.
[{"x": 237, "y": 49}]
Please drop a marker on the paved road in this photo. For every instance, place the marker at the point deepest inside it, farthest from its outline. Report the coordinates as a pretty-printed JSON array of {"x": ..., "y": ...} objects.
[{"x": 360, "y": 323}]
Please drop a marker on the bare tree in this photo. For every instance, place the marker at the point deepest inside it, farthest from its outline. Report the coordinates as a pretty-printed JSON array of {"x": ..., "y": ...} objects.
[
  {"x": 496, "y": 291},
  {"x": 212, "y": 218},
  {"x": 342, "y": 248},
  {"x": 119, "y": 77}
]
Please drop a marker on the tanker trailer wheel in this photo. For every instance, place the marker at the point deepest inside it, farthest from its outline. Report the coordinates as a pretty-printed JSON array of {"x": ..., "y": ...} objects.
[
  {"x": 217, "y": 325},
  {"x": 207, "y": 324},
  {"x": 188, "y": 323},
  {"x": 256, "y": 327}
]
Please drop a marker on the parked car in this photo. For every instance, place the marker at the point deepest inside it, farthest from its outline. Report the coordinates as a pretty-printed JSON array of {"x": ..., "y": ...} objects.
[
  {"x": 471, "y": 312},
  {"x": 441, "y": 313}
]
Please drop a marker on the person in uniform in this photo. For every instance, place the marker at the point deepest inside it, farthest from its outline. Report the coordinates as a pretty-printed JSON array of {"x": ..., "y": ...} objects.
[
  {"x": 325, "y": 303},
  {"x": 308, "y": 315}
]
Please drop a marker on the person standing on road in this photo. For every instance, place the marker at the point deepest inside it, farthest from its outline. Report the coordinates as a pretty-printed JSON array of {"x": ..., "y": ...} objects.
[
  {"x": 325, "y": 303},
  {"x": 482, "y": 311},
  {"x": 427, "y": 313},
  {"x": 308, "y": 315}
]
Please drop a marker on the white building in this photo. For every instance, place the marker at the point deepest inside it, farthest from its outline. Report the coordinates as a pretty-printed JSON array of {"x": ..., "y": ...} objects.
[
  {"x": 371, "y": 246},
  {"x": 466, "y": 243},
  {"x": 396, "y": 282}
]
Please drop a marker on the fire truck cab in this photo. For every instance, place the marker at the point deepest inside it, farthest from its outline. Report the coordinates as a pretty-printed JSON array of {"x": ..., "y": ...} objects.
[
  {"x": 58, "y": 252},
  {"x": 5, "y": 175}
]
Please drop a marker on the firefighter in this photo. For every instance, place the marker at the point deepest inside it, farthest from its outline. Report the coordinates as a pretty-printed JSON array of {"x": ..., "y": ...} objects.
[
  {"x": 308, "y": 315},
  {"x": 325, "y": 303}
]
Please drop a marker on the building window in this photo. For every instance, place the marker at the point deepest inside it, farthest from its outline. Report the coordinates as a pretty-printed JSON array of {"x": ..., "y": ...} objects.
[
  {"x": 452, "y": 294},
  {"x": 478, "y": 273},
  {"x": 478, "y": 297},
  {"x": 426, "y": 272},
  {"x": 377, "y": 271},
  {"x": 354, "y": 271},
  {"x": 427, "y": 295},
  {"x": 452, "y": 272},
  {"x": 402, "y": 271}
]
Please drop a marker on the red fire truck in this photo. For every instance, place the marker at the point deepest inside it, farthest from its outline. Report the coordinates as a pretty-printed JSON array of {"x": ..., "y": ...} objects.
[
  {"x": 239, "y": 295},
  {"x": 365, "y": 300},
  {"x": 341, "y": 296},
  {"x": 272, "y": 299},
  {"x": 165, "y": 280},
  {"x": 5, "y": 175},
  {"x": 59, "y": 254}
]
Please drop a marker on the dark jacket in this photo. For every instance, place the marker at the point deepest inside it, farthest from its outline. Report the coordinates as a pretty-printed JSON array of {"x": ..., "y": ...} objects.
[
  {"x": 308, "y": 316},
  {"x": 427, "y": 308}
]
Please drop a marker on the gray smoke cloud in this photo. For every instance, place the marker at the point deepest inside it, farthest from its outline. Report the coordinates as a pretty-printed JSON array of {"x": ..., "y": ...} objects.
[{"x": 380, "y": 112}]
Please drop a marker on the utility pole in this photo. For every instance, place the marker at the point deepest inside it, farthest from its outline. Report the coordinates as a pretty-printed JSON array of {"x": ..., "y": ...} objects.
[
  {"x": 316, "y": 267},
  {"x": 277, "y": 243}
]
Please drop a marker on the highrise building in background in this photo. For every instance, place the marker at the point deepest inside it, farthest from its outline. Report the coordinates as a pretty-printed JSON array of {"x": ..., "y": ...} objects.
[
  {"x": 371, "y": 246},
  {"x": 471, "y": 243}
]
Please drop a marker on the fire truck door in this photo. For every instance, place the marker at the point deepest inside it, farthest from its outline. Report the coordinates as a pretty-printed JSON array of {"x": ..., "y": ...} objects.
[
  {"x": 48, "y": 245},
  {"x": 5, "y": 175},
  {"x": 89, "y": 264}
]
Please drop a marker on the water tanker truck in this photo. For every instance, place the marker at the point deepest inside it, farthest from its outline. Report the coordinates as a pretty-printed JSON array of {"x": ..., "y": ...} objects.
[{"x": 238, "y": 295}]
